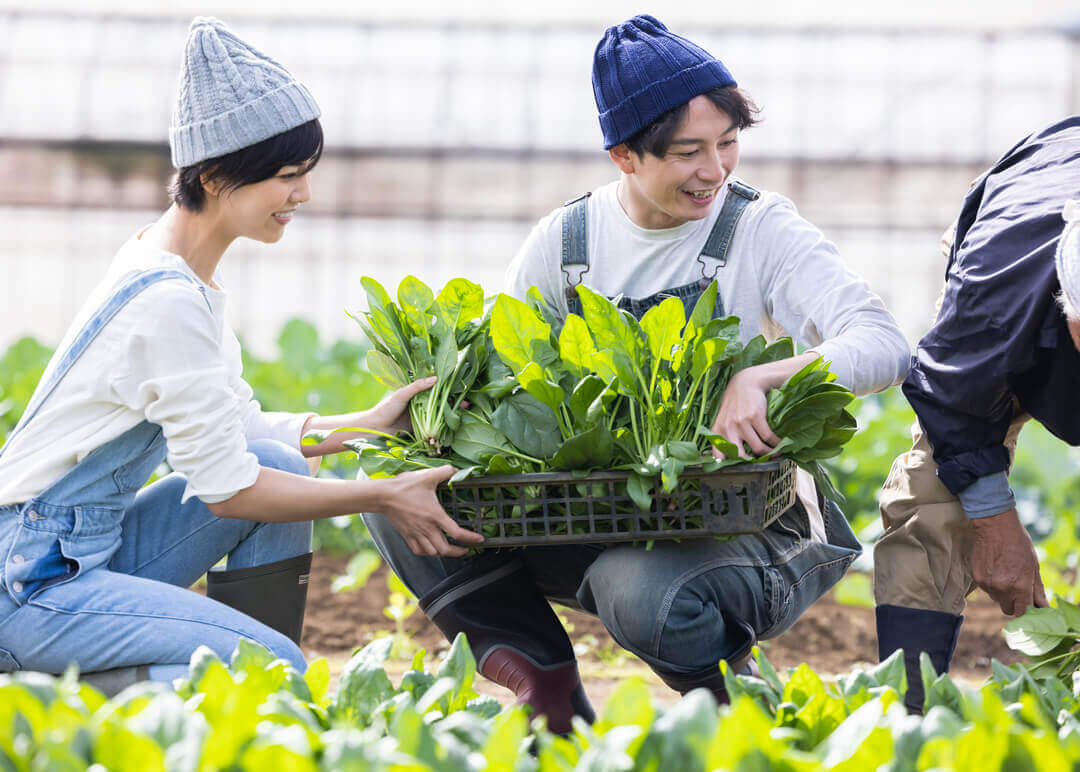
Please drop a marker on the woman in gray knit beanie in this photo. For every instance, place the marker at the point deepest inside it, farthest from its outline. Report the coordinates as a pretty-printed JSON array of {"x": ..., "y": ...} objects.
[{"x": 96, "y": 564}]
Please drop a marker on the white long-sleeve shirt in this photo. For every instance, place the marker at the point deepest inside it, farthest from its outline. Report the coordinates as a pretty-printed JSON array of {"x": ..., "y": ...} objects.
[
  {"x": 166, "y": 357},
  {"x": 782, "y": 277}
]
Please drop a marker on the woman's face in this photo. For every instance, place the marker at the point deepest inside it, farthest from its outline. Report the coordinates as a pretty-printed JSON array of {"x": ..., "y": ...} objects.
[
  {"x": 682, "y": 185},
  {"x": 261, "y": 210}
]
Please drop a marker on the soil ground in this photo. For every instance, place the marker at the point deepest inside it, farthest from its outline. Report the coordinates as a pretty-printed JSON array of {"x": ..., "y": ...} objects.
[{"x": 830, "y": 637}]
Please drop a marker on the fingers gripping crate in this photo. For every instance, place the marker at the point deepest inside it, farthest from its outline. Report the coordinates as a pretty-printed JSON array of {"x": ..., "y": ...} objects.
[{"x": 561, "y": 508}]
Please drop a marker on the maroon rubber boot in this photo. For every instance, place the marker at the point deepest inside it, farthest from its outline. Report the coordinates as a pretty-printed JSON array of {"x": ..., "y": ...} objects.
[
  {"x": 517, "y": 639},
  {"x": 554, "y": 691}
]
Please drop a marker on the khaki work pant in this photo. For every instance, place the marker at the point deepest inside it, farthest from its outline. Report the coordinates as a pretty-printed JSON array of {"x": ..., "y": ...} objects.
[{"x": 923, "y": 558}]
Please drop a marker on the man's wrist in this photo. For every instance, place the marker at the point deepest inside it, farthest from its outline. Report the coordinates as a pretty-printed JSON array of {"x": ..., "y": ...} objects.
[
  {"x": 773, "y": 375},
  {"x": 755, "y": 377},
  {"x": 991, "y": 521}
]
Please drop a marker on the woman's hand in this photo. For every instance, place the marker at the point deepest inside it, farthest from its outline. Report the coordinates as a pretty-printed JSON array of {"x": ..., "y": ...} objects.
[
  {"x": 389, "y": 416},
  {"x": 408, "y": 501},
  {"x": 392, "y": 412},
  {"x": 741, "y": 418},
  {"x": 410, "y": 504}
]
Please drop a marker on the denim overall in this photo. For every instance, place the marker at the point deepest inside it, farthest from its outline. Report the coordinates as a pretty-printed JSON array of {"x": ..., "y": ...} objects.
[
  {"x": 671, "y": 605},
  {"x": 93, "y": 570},
  {"x": 575, "y": 253}
]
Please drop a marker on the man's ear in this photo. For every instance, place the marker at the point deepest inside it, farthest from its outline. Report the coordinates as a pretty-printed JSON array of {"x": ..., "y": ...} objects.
[{"x": 623, "y": 157}]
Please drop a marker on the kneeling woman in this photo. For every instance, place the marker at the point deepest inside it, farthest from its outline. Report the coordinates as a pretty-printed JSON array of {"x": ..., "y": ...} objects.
[{"x": 92, "y": 565}]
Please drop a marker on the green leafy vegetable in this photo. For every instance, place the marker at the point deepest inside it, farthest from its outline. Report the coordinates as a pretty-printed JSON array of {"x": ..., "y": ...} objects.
[{"x": 601, "y": 391}]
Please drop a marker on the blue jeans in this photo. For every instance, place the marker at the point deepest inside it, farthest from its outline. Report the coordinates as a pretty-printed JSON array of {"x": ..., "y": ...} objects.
[
  {"x": 667, "y": 604},
  {"x": 133, "y": 608}
]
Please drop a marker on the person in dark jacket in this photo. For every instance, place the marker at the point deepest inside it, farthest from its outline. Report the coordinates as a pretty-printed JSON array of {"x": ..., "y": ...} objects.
[{"x": 1003, "y": 350}]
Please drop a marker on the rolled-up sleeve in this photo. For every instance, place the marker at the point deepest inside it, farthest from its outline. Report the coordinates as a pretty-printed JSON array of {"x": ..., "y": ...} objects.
[
  {"x": 987, "y": 496},
  {"x": 826, "y": 306},
  {"x": 175, "y": 374}
]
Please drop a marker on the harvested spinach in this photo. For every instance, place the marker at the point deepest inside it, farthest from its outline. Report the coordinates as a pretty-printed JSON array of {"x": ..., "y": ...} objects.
[
  {"x": 521, "y": 391},
  {"x": 427, "y": 335}
]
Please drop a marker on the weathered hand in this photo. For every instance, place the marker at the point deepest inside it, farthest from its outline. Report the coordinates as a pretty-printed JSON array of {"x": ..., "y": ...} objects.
[
  {"x": 410, "y": 504},
  {"x": 392, "y": 412},
  {"x": 1004, "y": 564},
  {"x": 741, "y": 418}
]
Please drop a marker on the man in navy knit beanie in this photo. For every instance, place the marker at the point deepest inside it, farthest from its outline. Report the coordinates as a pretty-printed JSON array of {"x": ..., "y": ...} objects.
[{"x": 674, "y": 220}]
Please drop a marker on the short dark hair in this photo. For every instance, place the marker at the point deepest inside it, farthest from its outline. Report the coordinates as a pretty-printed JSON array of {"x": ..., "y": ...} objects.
[
  {"x": 656, "y": 137},
  {"x": 301, "y": 146}
]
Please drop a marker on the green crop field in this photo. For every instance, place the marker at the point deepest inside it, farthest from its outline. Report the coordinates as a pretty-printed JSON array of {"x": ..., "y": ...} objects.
[{"x": 255, "y": 713}]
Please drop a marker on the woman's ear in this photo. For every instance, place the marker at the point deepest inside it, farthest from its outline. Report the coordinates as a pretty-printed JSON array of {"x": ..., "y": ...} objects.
[
  {"x": 623, "y": 157},
  {"x": 210, "y": 185}
]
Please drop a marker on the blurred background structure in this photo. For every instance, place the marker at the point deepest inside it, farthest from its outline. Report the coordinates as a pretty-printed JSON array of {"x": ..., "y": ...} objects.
[{"x": 447, "y": 138}]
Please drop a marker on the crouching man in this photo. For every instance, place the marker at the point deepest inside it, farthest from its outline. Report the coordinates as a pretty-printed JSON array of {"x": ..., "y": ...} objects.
[
  {"x": 674, "y": 218},
  {"x": 1002, "y": 350}
]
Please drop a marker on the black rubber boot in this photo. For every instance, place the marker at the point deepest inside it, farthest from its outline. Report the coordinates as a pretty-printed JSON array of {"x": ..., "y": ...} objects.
[
  {"x": 740, "y": 661},
  {"x": 112, "y": 682},
  {"x": 273, "y": 593},
  {"x": 917, "y": 630},
  {"x": 516, "y": 638}
]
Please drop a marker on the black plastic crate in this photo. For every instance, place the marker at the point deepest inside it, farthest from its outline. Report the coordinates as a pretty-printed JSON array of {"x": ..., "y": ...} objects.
[{"x": 563, "y": 508}]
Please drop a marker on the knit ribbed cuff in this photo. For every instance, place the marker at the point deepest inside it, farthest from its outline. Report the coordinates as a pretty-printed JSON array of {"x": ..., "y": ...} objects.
[
  {"x": 636, "y": 111},
  {"x": 275, "y": 112},
  {"x": 987, "y": 496}
]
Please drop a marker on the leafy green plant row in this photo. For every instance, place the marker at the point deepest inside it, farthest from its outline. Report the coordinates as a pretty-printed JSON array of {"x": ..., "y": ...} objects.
[
  {"x": 259, "y": 713},
  {"x": 521, "y": 391}
]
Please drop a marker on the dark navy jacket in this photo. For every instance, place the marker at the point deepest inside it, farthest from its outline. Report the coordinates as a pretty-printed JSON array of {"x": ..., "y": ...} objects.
[{"x": 999, "y": 334}]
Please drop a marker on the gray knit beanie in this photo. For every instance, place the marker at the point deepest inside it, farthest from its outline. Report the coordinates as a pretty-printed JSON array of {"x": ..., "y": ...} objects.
[
  {"x": 231, "y": 96},
  {"x": 1068, "y": 256}
]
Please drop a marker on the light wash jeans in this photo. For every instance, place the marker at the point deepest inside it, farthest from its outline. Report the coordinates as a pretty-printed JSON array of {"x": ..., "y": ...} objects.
[
  {"x": 133, "y": 608},
  {"x": 93, "y": 570}
]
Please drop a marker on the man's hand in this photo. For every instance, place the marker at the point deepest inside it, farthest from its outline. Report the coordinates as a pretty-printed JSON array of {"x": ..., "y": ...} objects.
[
  {"x": 743, "y": 407},
  {"x": 741, "y": 418},
  {"x": 1004, "y": 564},
  {"x": 410, "y": 504}
]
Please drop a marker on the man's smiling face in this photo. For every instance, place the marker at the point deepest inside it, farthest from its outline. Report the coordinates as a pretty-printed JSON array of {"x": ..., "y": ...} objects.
[{"x": 683, "y": 185}]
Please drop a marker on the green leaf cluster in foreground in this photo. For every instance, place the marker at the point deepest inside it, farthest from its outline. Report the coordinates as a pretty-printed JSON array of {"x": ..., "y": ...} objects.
[
  {"x": 258, "y": 713},
  {"x": 520, "y": 390}
]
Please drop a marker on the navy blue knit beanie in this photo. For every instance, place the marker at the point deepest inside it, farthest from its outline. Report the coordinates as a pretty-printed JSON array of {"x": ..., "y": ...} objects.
[{"x": 640, "y": 71}]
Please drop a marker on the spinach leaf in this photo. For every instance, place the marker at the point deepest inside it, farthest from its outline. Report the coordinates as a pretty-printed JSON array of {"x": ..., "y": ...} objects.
[
  {"x": 592, "y": 449},
  {"x": 514, "y": 327},
  {"x": 529, "y": 424}
]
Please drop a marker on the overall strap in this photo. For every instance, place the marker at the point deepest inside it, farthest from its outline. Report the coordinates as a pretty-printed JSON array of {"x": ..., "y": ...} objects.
[
  {"x": 575, "y": 245},
  {"x": 89, "y": 332},
  {"x": 724, "y": 228}
]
